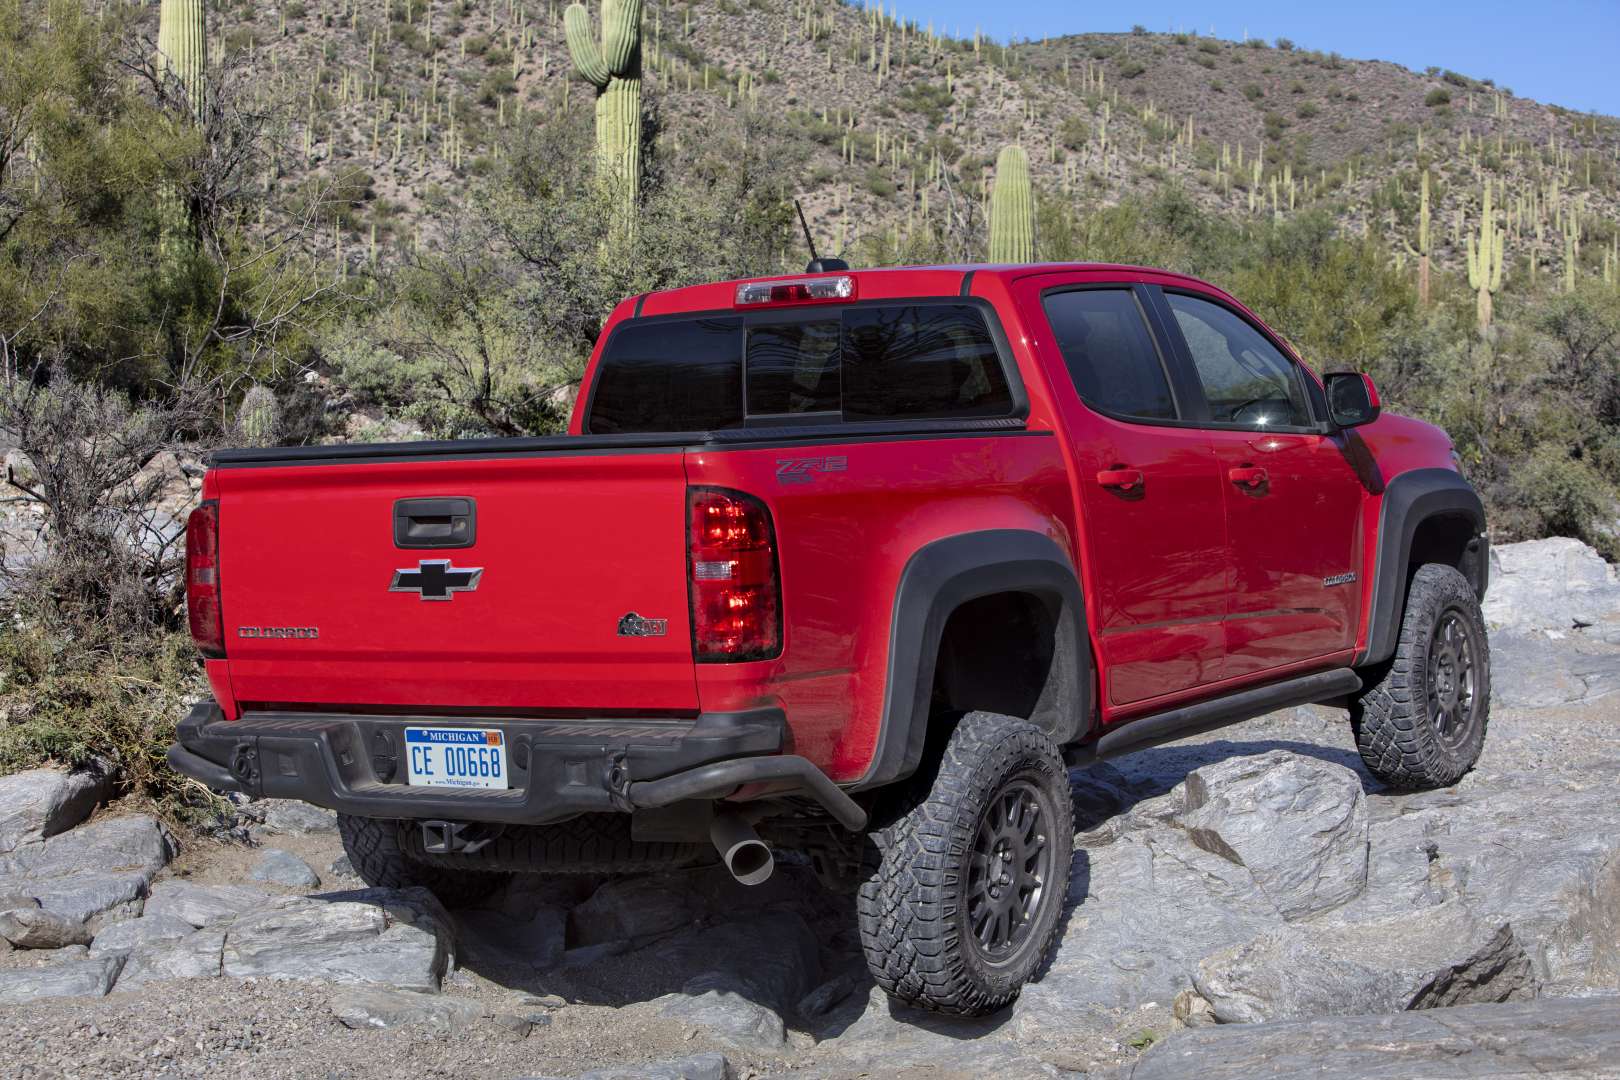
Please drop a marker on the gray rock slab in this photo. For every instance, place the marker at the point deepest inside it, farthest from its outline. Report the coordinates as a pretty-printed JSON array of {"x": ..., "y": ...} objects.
[
  {"x": 90, "y": 977},
  {"x": 698, "y": 1067},
  {"x": 1567, "y": 1038},
  {"x": 771, "y": 958},
  {"x": 36, "y": 928},
  {"x": 628, "y": 908},
  {"x": 397, "y": 938},
  {"x": 377, "y": 1007},
  {"x": 195, "y": 956},
  {"x": 1554, "y": 584},
  {"x": 203, "y": 905},
  {"x": 725, "y": 1015},
  {"x": 147, "y": 930},
  {"x": 536, "y": 941},
  {"x": 40, "y": 803},
  {"x": 278, "y": 867},
  {"x": 1536, "y": 669},
  {"x": 1297, "y": 824},
  {"x": 298, "y": 818},
  {"x": 1432, "y": 958},
  {"x": 94, "y": 873}
]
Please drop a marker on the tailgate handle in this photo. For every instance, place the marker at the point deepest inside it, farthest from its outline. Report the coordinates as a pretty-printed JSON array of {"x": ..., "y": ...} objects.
[{"x": 435, "y": 523}]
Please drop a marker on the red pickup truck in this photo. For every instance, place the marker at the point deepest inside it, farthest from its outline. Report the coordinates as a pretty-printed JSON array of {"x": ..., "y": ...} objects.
[{"x": 854, "y": 564}]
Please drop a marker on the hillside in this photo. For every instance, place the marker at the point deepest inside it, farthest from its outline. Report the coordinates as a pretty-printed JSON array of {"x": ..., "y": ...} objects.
[{"x": 891, "y": 122}]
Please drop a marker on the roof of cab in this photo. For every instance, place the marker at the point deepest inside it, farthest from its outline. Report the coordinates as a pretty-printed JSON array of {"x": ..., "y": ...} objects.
[{"x": 884, "y": 283}]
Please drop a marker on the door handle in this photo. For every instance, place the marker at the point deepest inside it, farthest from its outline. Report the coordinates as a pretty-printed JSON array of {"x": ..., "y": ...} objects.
[
  {"x": 435, "y": 523},
  {"x": 1248, "y": 476},
  {"x": 1121, "y": 479}
]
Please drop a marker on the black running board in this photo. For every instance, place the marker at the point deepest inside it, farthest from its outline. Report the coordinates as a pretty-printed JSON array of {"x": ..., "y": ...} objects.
[{"x": 1205, "y": 716}]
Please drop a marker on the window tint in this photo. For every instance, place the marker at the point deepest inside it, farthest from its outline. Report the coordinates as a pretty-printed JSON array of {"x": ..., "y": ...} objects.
[
  {"x": 921, "y": 361},
  {"x": 793, "y": 367},
  {"x": 675, "y": 375},
  {"x": 877, "y": 362},
  {"x": 1109, "y": 352},
  {"x": 1246, "y": 380}
]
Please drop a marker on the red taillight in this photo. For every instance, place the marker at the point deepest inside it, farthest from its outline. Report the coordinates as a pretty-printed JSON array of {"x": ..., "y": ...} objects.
[
  {"x": 736, "y": 596},
  {"x": 202, "y": 580}
]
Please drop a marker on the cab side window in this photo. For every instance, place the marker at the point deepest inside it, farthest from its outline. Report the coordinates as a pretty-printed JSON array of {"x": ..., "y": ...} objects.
[
  {"x": 1246, "y": 380},
  {"x": 1110, "y": 353}
]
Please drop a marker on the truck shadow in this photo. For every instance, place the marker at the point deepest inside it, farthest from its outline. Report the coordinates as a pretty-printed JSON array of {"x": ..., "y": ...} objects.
[{"x": 789, "y": 945}]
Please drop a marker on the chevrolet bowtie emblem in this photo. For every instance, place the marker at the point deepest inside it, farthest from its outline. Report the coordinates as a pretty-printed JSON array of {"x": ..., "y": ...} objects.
[{"x": 436, "y": 579}]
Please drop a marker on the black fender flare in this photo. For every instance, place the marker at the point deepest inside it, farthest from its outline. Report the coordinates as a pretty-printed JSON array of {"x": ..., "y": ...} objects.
[
  {"x": 1410, "y": 499},
  {"x": 938, "y": 578}
]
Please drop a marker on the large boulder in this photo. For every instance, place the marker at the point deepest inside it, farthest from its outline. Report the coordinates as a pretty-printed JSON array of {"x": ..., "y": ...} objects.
[
  {"x": 82, "y": 977},
  {"x": 379, "y": 1007},
  {"x": 629, "y": 908},
  {"x": 203, "y": 905},
  {"x": 92, "y": 874},
  {"x": 195, "y": 956},
  {"x": 399, "y": 938},
  {"x": 1553, "y": 584},
  {"x": 30, "y": 926},
  {"x": 1432, "y": 958},
  {"x": 1297, "y": 824},
  {"x": 1549, "y": 1037},
  {"x": 1537, "y": 669},
  {"x": 132, "y": 933},
  {"x": 40, "y": 803}
]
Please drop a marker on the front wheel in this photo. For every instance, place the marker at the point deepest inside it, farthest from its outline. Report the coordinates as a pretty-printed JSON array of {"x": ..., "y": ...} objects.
[
  {"x": 962, "y": 906},
  {"x": 1422, "y": 724}
]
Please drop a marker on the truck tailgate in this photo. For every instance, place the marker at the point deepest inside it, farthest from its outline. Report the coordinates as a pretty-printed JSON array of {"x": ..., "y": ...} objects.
[{"x": 322, "y": 608}]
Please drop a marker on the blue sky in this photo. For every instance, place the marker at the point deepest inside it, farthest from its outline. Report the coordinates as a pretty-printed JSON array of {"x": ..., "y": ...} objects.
[{"x": 1560, "y": 51}]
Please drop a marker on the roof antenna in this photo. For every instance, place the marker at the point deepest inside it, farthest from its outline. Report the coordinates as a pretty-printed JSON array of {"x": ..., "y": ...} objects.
[{"x": 818, "y": 265}]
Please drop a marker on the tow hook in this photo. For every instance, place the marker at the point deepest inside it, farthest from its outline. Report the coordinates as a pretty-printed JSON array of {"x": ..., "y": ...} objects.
[{"x": 457, "y": 837}]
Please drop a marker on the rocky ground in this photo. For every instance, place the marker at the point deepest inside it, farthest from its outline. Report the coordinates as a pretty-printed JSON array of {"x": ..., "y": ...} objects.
[{"x": 1247, "y": 903}]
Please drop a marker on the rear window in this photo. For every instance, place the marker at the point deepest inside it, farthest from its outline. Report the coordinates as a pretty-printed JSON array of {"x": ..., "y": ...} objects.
[{"x": 873, "y": 362}]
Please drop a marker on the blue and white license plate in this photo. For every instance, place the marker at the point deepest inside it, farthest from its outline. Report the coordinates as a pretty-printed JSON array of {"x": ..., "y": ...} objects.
[{"x": 455, "y": 757}]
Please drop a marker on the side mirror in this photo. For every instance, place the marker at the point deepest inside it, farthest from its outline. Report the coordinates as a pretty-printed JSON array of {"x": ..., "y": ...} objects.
[{"x": 1352, "y": 398}]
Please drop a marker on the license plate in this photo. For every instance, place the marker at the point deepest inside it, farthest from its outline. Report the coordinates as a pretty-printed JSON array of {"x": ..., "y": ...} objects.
[{"x": 455, "y": 757}]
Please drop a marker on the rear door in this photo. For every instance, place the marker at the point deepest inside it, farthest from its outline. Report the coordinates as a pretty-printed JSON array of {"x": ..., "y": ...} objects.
[
  {"x": 1293, "y": 500},
  {"x": 1150, "y": 498},
  {"x": 522, "y": 609}
]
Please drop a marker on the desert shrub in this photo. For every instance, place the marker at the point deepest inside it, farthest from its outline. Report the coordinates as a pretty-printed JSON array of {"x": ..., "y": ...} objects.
[
  {"x": 1437, "y": 97},
  {"x": 1130, "y": 69}
]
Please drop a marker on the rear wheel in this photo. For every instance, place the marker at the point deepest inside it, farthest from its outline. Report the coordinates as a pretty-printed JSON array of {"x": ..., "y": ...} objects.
[
  {"x": 962, "y": 905},
  {"x": 373, "y": 847},
  {"x": 1422, "y": 723}
]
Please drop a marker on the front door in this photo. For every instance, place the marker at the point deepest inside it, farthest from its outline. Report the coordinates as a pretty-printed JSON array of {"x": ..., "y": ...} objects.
[
  {"x": 1150, "y": 495},
  {"x": 1293, "y": 501}
]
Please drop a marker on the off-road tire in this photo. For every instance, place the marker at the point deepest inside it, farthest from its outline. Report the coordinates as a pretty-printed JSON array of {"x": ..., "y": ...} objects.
[
  {"x": 588, "y": 844},
  {"x": 914, "y": 907},
  {"x": 1401, "y": 740},
  {"x": 373, "y": 848}
]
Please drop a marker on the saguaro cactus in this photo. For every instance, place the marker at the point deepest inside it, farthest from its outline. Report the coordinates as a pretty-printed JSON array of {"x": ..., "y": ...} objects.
[
  {"x": 1485, "y": 260},
  {"x": 183, "y": 47},
  {"x": 1012, "y": 209},
  {"x": 615, "y": 71},
  {"x": 1421, "y": 251},
  {"x": 258, "y": 417}
]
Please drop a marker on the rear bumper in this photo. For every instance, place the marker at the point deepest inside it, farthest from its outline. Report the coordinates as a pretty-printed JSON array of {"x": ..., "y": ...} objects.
[{"x": 354, "y": 764}]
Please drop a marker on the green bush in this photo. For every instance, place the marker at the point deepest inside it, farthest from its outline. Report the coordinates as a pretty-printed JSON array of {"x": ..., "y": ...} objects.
[{"x": 1437, "y": 97}]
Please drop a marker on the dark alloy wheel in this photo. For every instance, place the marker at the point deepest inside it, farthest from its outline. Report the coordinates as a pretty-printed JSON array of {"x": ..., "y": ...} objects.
[
  {"x": 1452, "y": 693},
  {"x": 1008, "y": 871},
  {"x": 1420, "y": 720}
]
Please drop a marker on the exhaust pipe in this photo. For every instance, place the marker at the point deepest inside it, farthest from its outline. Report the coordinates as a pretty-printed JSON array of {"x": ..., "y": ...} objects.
[{"x": 741, "y": 849}]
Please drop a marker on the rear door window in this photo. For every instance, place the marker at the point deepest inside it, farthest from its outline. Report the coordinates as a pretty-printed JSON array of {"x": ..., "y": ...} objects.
[
  {"x": 866, "y": 363},
  {"x": 1110, "y": 353},
  {"x": 672, "y": 375}
]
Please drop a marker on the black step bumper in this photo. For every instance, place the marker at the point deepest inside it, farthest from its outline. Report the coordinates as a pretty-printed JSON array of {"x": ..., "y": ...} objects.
[{"x": 354, "y": 764}]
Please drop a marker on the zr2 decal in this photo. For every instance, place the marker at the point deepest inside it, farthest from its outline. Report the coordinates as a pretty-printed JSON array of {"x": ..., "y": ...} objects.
[{"x": 804, "y": 470}]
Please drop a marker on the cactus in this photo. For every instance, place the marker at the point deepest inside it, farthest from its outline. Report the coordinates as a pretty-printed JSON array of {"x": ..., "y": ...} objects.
[
  {"x": 182, "y": 47},
  {"x": 1485, "y": 261},
  {"x": 1421, "y": 252},
  {"x": 615, "y": 71},
  {"x": 258, "y": 417},
  {"x": 1012, "y": 209}
]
